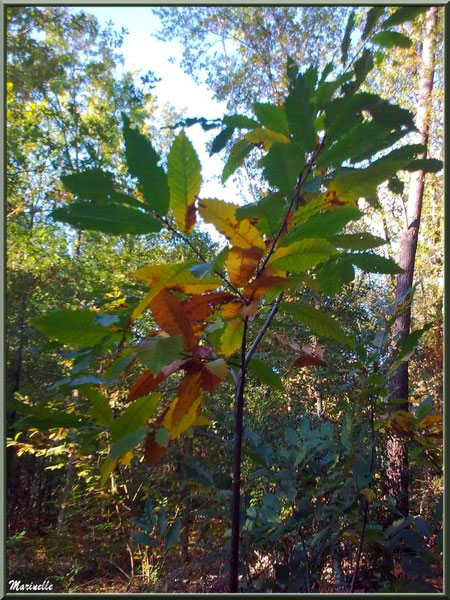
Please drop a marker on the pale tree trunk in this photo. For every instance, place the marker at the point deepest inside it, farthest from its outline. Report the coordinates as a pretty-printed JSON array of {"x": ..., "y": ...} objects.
[{"x": 397, "y": 471}]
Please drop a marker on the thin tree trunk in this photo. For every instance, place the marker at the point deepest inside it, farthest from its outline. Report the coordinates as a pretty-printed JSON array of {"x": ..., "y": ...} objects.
[{"x": 397, "y": 472}]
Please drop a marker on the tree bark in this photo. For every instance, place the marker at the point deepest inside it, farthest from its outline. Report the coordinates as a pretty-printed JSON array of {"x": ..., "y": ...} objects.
[{"x": 397, "y": 472}]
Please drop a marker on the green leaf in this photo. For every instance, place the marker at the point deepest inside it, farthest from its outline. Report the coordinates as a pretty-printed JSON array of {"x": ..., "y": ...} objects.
[
  {"x": 100, "y": 408},
  {"x": 363, "y": 66},
  {"x": 334, "y": 275},
  {"x": 162, "y": 522},
  {"x": 271, "y": 116},
  {"x": 395, "y": 185},
  {"x": 301, "y": 256},
  {"x": 49, "y": 419},
  {"x": 127, "y": 442},
  {"x": 389, "y": 39},
  {"x": 408, "y": 343},
  {"x": 269, "y": 211},
  {"x": 208, "y": 269},
  {"x": 184, "y": 175},
  {"x": 347, "y": 35},
  {"x": 317, "y": 321},
  {"x": 134, "y": 416},
  {"x": 220, "y": 141},
  {"x": 157, "y": 352},
  {"x": 74, "y": 327},
  {"x": 118, "y": 365},
  {"x": 373, "y": 263},
  {"x": 404, "y": 14},
  {"x": 282, "y": 166},
  {"x": 142, "y": 161},
  {"x": 372, "y": 19},
  {"x": 324, "y": 224},
  {"x": 237, "y": 154},
  {"x": 300, "y": 114},
  {"x": 428, "y": 165},
  {"x": 357, "y": 241},
  {"x": 173, "y": 533},
  {"x": 107, "y": 218},
  {"x": 266, "y": 374},
  {"x": 240, "y": 122},
  {"x": 92, "y": 184}
]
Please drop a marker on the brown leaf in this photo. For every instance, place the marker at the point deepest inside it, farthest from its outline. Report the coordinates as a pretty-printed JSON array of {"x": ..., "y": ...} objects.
[
  {"x": 201, "y": 307},
  {"x": 168, "y": 312},
  {"x": 308, "y": 360},
  {"x": 281, "y": 339},
  {"x": 262, "y": 284},
  {"x": 241, "y": 264},
  {"x": 145, "y": 383},
  {"x": 153, "y": 451}
]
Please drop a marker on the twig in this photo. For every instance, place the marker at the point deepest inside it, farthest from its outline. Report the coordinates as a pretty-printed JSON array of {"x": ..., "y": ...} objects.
[
  {"x": 361, "y": 541},
  {"x": 263, "y": 330}
]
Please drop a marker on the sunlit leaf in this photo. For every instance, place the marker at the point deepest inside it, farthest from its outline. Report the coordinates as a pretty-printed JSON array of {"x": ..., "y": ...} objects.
[
  {"x": 168, "y": 313},
  {"x": 317, "y": 320},
  {"x": 266, "y": 137},
  {"x": 107, "y": 218},
  {"x": 271, "y": 116},
  {"x": 231, "y": 339},
  {"x": 222, "y": 215},
  {"x": 184, "y": 175},
  {"x": 74, "y": 327},
  {"x": 134, "y": 416},
  {"x": 183, "y": 409},
  {"x": 242, "y": 263},
  {"x": 301, "y": 256}
]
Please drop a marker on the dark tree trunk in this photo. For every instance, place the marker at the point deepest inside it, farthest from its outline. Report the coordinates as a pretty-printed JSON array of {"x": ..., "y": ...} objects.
[{"x": 397, "y": 471}]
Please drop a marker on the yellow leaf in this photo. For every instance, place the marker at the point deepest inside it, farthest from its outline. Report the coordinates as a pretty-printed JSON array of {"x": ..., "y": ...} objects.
[
  {"x": 232, "y": 337},
  {"x": 430, "y": 420},
  {"x": 369, "y": 494},
  {"x": 222, "y": 215},
  {"x": 126, "y": 458},
  {"x": 218, "y": 368},
  {"x": 266, "y": 137},
  {"x": 241, "y": 264},
  {"x": 231, "y": 309},
  {"x": 200, "y": 421},
  {"x": 176, "y": 276},
  {"x": 183, "y": 409}
]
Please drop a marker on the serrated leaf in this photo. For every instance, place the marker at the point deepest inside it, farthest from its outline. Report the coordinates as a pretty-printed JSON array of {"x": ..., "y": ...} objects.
[
  {"x": 134, "y": 416},
  {"x": 318, "y": 321},
  {"x": 236, "y": 157},
  {"x": 127, "y": 442},
  {"x": 301, "y": 256},
  {"x": 373, "y": 263},
  {"x": 300, "y": 114},
  {"x": 357, "y": 241},
  {"x": 221, "y": 140},
  {"x": 222, "y": 215},
  {"x": 231, "y": 339},
  {"x": 373, "y": 16},
  {"x": 218, "y": 368},
  {"x": 169, "y": 314},
  {"x": 271, "y": 116},
  {"x": 282, "y": 166},
  {"x": 269, "y": 213},
  {"x": 183, "y": 409},
  {"x": 363, "y": 66},
  {"x": 158, "y": 352},
  {"x": 240, "y": 122},
  {"x": 266, "y": 374},
  {"x": 142, "y": 161},
  {"x": 91, "y": 184},
  {"x": 107, "y": 218},
  {"x": 266, "y": 137},
  {"x": 184, "y": 176},
  {"x": 49, "y": 419},
  {"x": 145, "y": 539},
  {"x": 241, "y": 264},
  {"x": 100, "y": 408},
  {"x": 335, "y": 274},
  {"x": 345, "y": 45},
  {"x": 325, "y": 224},
  {"x": 389, "y": 39},
  {"x": 74, "y": 327},
  {"x": 404, "y": 14},
  {"x": 172, "y": 276},
  {"x": 174, "y": 533}
]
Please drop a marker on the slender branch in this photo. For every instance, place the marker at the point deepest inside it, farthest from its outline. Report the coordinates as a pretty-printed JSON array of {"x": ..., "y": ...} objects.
[
  {"x": 237, "y": 456},
  {"x": 302, "y": 539},
  {"x": 263, "y": 330},
  {"x": 361, "y": 541}
]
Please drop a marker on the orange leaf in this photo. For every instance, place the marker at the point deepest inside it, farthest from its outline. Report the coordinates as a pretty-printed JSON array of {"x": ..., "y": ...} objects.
[
  {"x": 309, "y": 360},
  {"x": 430, "y": 420},
  {"x": 251, "y": 309},
  {"x": 262, "y": 284},
  {"x": 232, "y": 309},
  {"x": 183, "y": 409},
  {"x": 153, "y": 451},
  {"x": 146, "y": 382},
  {"x": 201, "y": 307},
  {"x": 213, "y": 374},
  {"x": 241, "y": 264},
  {"x": 168, "y": 312}
]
